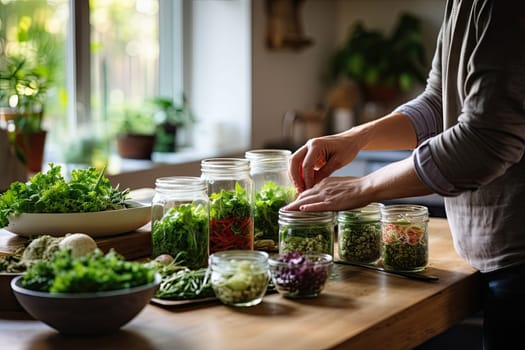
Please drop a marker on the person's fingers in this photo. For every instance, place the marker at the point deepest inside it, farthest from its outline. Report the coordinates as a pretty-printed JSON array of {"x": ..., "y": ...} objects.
[
  {"x": 307, "y": 196},
  {"x": 295, "y": 168},
  {"x": 313, "y": 160}
]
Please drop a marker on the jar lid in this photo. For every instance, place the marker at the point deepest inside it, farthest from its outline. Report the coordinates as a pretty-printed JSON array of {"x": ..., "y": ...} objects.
[
  {"x": 224, "y": 165},
  {"x": 258, "y": 154},
  {"x": 268, "y": 160},
  {"x": 371, "y": 212},
  {"x": 310, "y": 217},
  {"x": 180, "y": 184},
  {"x": 404, "y": 213}
]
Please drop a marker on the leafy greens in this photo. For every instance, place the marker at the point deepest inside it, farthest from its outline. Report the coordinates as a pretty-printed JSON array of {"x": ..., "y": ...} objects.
[{"x": 88, "y": 190}]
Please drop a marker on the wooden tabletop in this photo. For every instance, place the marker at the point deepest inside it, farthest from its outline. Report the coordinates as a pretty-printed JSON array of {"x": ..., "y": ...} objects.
[{"x": 359, "y": 309}]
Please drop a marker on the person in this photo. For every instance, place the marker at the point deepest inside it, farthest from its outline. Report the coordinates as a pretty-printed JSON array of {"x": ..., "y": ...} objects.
[{"x": 467, "y": 132}]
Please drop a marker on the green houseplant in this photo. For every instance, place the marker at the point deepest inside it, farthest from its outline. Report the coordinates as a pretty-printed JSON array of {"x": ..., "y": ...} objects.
[
  {"x": 171, "y": 118},
  {"x": 23, "y": 91},
  {"x": 152, "y": 127},
  {"x": 382, "y": 65}
]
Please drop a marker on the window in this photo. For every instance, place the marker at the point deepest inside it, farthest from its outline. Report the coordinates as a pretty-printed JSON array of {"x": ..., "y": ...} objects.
[{"x": 116, "y": 54}]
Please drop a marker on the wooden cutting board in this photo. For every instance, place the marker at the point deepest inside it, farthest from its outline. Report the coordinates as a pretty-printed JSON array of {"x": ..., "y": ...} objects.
[{"x": 132, "y": 245}]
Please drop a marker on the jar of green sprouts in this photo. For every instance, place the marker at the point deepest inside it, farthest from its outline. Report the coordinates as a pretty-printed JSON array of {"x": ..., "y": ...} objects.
[
  {"x": 306, "y": 232},
  {"x": 359, "y": 234}
]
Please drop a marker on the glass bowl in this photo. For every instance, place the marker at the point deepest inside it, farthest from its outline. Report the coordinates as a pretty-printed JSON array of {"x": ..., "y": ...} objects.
[
  {"x": 295, "y": 275},
  {"x": 239, "y": 277}
]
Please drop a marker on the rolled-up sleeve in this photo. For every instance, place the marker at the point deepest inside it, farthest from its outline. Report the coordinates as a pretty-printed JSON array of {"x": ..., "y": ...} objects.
[{"x": 486, "y": 135}]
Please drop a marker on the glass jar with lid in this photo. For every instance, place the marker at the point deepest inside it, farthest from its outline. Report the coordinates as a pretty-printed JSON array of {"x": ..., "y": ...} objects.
[
  {"x": 359, "y": 234},
  {"x": 306, "y": 232},
  {"x": 405, "y": 237},
  {"x": 230, "y": 190},
  {"x": 180, "y": 220},
  {"x": 273, "y": 190}
]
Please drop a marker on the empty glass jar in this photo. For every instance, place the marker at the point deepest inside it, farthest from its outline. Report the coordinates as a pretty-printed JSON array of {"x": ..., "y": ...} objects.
[
  {"x": 230, "y": 191},
  {"x": 405, "y": 237},
  {"x": 273, "y": 190}
]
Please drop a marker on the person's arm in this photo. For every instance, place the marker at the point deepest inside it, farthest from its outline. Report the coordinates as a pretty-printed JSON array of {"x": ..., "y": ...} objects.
[
  {"x": 321, "y": 156},
  {"x": 489, "y": 136},
  {"x": 406, "y": 127},
  {"x": 395, "y": 180}
]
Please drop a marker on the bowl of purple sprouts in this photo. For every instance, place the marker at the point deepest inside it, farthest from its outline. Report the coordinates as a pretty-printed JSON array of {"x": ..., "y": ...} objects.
[{"x": 297, "y": 275}]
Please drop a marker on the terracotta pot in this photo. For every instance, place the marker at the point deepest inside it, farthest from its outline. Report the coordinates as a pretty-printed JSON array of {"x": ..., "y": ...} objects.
[
  {"x": 135, "y": 146},
  {"x": 32, "y": 145}
]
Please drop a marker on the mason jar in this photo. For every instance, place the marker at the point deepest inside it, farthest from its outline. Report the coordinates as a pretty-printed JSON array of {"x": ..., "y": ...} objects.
[
  {"x": 405, "y": 237},
  {"x": 359, "y": 234},
  {"x": 230, "y": 190},
  {"x": 273, "y": 190},
  {"x": 180, "y": 220},
  {"x": 306, "y": 232},
  {"x": 239, "y": 277}
]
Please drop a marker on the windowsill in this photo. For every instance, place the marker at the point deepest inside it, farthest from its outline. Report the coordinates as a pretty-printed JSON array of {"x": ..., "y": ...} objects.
[{"x": 118, "y": 165}]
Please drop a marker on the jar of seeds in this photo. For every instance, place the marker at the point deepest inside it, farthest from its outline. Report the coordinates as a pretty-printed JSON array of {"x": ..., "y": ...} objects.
[{"x": 359, "y": 234}]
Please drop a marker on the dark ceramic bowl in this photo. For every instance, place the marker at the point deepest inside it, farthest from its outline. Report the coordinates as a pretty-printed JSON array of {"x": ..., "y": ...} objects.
[
  {"x": 8, "y": 300},
  {"x": 85, "y": 313}
]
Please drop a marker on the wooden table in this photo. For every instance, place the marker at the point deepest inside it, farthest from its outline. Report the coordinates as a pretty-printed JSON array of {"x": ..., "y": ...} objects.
[{"x": 359, "y": 309}]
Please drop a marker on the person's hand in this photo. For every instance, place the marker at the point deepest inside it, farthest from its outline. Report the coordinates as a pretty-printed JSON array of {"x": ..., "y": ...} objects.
[
  {"x": 331, "y": 194},
  {"x": 336, "y": 193},
  {"x": 319, "y": 158}
]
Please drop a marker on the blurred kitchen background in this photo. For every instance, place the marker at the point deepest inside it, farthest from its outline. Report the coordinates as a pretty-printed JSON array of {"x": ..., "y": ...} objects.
[{"x": 225, "y": 75}]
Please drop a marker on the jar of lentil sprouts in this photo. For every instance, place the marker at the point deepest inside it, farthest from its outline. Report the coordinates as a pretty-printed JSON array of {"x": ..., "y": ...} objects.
[
  {"x": 230, "y": 191},
  {"x": 405, "y": 237},
  {"x": 273, "y": 190},
  {"x": 359, "y": 234},
  {"x": 180, "y": 220},
  {"x": 306, "y": 232}
]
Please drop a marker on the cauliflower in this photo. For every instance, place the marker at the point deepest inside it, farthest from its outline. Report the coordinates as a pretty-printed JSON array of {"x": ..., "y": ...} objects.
[{"x": 79, "y": 243}]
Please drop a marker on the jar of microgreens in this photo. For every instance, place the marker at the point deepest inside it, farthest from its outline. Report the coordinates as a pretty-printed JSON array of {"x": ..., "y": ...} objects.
[
  {"x": 180, "y": 220},
  {"x": 306, "y": 232},
  {"x": 230, "y": 191},
  {"x": 359, "y": 234},
  {"x": 405, "y": 237},
  {"x": 273, "y": 190}
]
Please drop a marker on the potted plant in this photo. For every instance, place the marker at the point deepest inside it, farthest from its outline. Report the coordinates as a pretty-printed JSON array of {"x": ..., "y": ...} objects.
[
  {"x": 171, "y": 118},
  {"x": 136, "y": 134},
  {"x": 383, "y": 66},
  {"x": 23, "y": 91}
]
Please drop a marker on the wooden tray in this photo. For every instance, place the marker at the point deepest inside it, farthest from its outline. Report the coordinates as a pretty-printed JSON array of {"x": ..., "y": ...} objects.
[{"x": 133, "y": 245}]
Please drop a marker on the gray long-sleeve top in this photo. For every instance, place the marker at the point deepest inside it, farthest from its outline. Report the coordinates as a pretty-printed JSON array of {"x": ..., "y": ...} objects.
[{"x": 470, "y": 124}]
